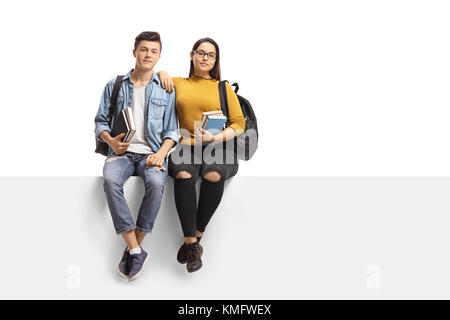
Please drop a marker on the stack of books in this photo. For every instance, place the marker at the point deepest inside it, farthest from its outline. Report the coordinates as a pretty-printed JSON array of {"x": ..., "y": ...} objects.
[
  {"x": 124, "y": 124},
  {"x": 213, "y": 121}
]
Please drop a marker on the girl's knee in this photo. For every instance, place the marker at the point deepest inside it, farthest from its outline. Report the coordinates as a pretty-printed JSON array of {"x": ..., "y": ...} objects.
[
  {"x": 212, "y": 176},
  {"x": 183, "y": 175}
]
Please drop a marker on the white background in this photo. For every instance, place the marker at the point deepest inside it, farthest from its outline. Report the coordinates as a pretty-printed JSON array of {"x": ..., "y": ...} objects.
[
  {"x": 340, "y": 88},
  {"x": 351, "y": 88}
]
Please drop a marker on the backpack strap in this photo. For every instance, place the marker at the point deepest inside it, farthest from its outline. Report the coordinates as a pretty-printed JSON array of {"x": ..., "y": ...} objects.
[
  {"x": 114, "y": 96},
  {"x": 236, "y": 87},
  {"x": 224, "y": 101}
]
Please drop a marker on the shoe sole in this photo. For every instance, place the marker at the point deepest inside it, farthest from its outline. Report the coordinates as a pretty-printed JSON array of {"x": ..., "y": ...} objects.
[
  {"x": 121, "y": 274},
  {"x": 140, "y": 271},
  {"x": 192, "y": 271}
]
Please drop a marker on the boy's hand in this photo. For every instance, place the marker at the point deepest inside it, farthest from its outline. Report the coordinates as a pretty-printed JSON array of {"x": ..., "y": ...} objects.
[
  {"x": 155, "y": 159},
  {"x": 117, "y": 145}
]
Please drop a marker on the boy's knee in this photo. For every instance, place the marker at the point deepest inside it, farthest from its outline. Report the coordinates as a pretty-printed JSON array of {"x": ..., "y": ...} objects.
[
  {"x": 155, "y": 184},
  {"x": 110, "y": 182}
]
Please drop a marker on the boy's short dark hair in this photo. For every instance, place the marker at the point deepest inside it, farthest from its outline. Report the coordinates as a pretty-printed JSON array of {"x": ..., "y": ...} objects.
[{"x": 149, "y": 36}]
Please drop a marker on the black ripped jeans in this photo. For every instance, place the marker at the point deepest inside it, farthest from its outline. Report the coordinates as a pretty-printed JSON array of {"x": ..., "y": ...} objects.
[{"x": 198, "y": 161}]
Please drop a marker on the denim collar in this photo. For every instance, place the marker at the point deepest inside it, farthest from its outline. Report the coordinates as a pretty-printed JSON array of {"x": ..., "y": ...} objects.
[{"x": 155, "y": 77}]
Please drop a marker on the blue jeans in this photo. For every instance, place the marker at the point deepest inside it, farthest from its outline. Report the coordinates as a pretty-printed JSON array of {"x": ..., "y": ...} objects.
[{"x": 116, "y": 171}]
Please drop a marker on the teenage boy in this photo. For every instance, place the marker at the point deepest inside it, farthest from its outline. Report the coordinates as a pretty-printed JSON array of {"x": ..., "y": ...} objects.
[{"x": 145, "y": 155}]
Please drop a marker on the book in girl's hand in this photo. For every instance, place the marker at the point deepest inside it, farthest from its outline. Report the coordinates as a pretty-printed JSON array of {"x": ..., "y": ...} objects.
[
  {"x": 217, "y": 112},
  {"x": 213, "y": 121},
  {"x": 124, "y": 124}
]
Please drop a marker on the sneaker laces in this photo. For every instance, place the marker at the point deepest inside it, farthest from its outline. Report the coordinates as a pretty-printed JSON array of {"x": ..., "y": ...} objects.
[{"x": 130, "y": 260}]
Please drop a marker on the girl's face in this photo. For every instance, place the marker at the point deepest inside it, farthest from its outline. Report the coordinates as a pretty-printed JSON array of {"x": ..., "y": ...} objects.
[{"x": 204, "y": 58}]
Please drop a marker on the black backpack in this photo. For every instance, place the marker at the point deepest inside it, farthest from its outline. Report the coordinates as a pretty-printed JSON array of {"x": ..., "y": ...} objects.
[
  {"x": 245, "y": 144},
  {"x": 101, "y": 146}
]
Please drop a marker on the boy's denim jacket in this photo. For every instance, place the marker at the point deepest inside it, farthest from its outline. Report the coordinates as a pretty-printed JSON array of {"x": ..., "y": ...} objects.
[{"x": 160, "y": 111}]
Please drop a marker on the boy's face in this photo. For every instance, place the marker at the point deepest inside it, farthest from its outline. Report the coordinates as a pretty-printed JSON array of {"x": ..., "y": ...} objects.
[{"x": 147, "y": 54}]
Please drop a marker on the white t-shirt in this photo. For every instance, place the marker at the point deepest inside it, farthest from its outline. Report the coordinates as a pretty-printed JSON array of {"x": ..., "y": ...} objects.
[{"x": 138, "y": 143}]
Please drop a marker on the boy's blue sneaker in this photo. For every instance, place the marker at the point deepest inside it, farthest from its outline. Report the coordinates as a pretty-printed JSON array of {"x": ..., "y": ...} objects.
[
  {"x": 136, "y": 264},
  {"x": 122, "y": 268}
]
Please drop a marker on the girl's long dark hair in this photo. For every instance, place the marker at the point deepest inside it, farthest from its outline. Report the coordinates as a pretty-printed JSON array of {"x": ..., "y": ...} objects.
[{"x": 215, "y": 71}]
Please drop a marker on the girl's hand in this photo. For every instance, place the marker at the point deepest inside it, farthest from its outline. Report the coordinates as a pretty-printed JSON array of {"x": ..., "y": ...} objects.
[
  {"x": 207, "y": 136},
  {"x": 202, "y": 136}
]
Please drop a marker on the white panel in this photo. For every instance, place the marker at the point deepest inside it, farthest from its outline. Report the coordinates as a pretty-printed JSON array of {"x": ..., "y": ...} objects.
[{"x": 271, "y": 238}]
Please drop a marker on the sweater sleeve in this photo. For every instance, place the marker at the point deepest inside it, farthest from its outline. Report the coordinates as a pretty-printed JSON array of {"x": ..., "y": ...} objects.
[{"x": 237, "y": 121}]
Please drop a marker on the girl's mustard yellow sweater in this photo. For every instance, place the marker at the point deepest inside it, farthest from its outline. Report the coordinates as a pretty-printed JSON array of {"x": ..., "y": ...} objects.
[{"x": 196, "y": 95}]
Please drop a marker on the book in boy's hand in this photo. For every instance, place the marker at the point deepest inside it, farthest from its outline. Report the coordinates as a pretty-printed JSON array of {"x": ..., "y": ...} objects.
[
  {"x": 213, "y": 122},
  {"x": 131, "y": 124},
  {"x": 124, "y": 125}
]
